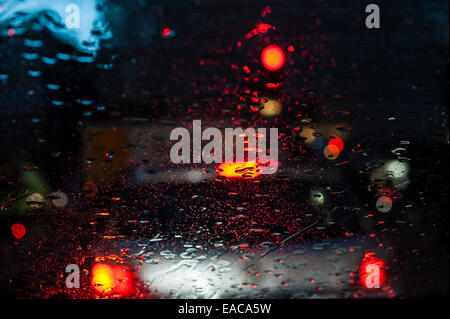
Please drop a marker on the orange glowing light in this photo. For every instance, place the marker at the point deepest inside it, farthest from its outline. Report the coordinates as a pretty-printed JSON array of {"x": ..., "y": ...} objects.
[
  {"x": 333, "y": 149},
  {"x": 112, "y": 279},
  {"x": 18, "y": 230},
  {"x": 372, "y": 272},
  {"x": 239, "y": 170},
  {"x": 331, "y": 152},
  {"x": 273, "y": 58}
]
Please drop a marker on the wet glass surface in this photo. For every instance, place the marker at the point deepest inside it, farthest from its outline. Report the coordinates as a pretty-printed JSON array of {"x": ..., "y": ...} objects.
[{"x": 86, "y": 177}]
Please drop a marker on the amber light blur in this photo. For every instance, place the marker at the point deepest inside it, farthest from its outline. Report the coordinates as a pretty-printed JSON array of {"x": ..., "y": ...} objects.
[
  {"x": 273, "y": 58},
  {"x": 372, "y": 272},
  {"x": 334, "y": 148},
  {"x": 239, "y": 170},
  {"x": 112, "y": 280},
  {"x": 271, "y": 108}
]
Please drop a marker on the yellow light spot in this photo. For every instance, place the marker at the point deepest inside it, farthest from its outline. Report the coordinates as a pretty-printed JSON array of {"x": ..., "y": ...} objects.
[
  {"x": 271, "y": 108},
  {"x": 308, "y": 134},
  {"x": 102, "y": 279},
  {"x": 239, "y": 170}
]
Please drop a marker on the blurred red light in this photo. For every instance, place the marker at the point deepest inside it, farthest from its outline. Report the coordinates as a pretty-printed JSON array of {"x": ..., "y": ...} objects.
[
  {"x": 273, "y": 58},
  {"x": 18, "y": 230},
  {"x": 167, "y": 32},
  {"x": 338, "y": 143}
]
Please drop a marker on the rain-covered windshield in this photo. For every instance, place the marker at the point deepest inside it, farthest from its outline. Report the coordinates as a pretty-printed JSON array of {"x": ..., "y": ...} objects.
[{"x": 122, "y": 165}]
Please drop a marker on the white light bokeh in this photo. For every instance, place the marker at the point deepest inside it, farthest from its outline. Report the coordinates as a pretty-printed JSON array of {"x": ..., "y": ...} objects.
[{"x": 397, "y": 169}]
